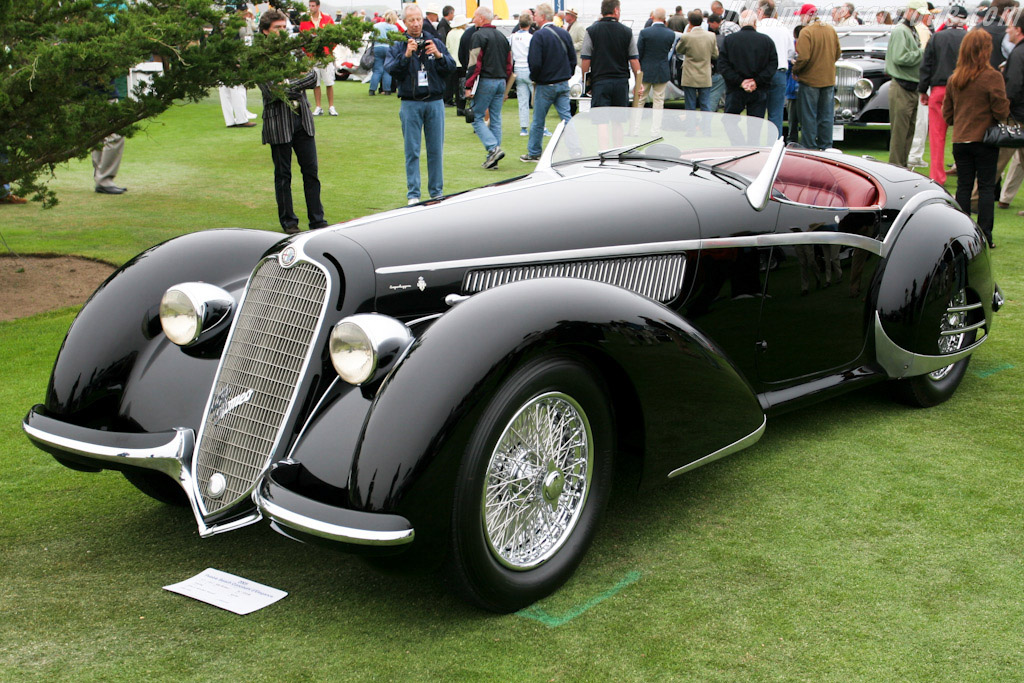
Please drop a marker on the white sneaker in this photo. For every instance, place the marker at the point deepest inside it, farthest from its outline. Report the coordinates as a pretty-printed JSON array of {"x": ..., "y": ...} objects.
[
  {"x": 523, "y": 133},
  {"x": 332, "y": 111},
  {"x": 250, "y": 115},
  {"x": 547, "y": 133},
  {"x": 318, "y": 111},
  {"x": 413, "y": 200}
]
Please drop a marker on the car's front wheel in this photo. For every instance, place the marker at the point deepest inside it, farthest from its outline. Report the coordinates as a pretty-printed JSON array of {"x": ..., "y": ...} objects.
[
  {"x": 925, "y": 391},
  {"x": 532, "y": 485}
]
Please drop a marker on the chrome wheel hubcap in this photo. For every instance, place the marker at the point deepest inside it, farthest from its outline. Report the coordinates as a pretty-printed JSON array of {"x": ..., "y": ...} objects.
[{"x": 537, "y": 481}]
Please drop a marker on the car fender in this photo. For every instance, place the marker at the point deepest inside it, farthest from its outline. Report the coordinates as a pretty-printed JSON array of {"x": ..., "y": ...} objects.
[
  {"x": 921, "y": 272},
  {"x": 116, "y": 369},
  {"x": 681, "y": 397}
]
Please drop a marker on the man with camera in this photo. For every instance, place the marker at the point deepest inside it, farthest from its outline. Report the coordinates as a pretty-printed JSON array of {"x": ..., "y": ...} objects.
[
  {"x": 419, "y": 67},
  {"x": 287, "y": 126},
  {"x": 487, "y": 72}
]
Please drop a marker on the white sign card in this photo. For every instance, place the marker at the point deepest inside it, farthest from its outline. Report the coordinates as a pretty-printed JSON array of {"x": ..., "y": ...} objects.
[{"x": 227, "y": 591}]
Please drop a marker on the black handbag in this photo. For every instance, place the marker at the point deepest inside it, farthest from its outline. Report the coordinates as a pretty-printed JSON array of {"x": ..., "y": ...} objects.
[
  {"x": 366, "y": 61},
  {"x": 1002, "y": 135}
]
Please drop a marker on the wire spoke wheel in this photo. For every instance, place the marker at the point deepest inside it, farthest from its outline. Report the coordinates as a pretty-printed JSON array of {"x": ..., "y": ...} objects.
[
  {"x": 537, "y": 481},
  {"x": 949, "y": 340}
]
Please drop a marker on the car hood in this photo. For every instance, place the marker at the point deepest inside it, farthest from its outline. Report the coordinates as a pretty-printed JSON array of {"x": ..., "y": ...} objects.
[{"x": 421, "y": 253}]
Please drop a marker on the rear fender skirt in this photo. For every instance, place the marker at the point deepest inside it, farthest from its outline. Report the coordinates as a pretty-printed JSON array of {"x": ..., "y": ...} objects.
[
  {"x": 920, "y": 274},
  {"x": 688, "y": 398}
]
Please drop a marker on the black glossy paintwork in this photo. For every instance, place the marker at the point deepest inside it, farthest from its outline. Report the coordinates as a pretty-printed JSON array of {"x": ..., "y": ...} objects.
[
  {"x": 116, "y": 369},
  {"x": 619, "y": 333},
  {"x": 685, "y": 379},
  {"x": 929, "y": 261}
]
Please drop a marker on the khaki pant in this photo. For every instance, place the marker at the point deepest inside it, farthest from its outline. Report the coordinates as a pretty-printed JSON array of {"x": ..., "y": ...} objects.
[
  {"x": 902, "y": 119},
  {"x": 107, "y": 160},
  {"x": 657, "y": 92}
]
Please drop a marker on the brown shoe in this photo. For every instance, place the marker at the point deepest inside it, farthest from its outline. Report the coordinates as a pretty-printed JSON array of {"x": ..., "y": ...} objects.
[
  {"x": 1020, "y": 213},
  {"x": 291, "y": 229},
  {"x": 1003, "y": 205},
  {"x": 12, "y": 199}
]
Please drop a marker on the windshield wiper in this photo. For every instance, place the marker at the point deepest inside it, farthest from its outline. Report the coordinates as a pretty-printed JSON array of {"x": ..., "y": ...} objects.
[{"x": 620, "y": 152}]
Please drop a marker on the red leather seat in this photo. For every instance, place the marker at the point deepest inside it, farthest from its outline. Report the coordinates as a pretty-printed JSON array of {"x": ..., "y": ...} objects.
[{"x": 820, "y": 182}]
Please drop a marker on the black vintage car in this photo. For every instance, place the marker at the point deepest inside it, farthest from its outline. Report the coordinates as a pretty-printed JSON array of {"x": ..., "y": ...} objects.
[
  {"x": 862, "y": 86},
  {"x": 459, "y": 377}
]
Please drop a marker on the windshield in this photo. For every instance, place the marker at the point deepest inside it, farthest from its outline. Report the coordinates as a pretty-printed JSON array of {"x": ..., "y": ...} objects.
[
  {"x": 868, "y": 41},
  {"x": 722, "y": 141}
]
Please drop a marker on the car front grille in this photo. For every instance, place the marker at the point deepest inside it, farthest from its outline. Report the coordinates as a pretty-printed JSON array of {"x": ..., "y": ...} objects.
[
  {"x": 847, "y": 76},
  {"x": 257, "y": 379},
  {"x": 659, "y": 277}
]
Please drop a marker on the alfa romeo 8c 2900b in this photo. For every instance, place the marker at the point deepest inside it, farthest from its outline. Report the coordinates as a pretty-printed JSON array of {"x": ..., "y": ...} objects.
[{"x": 460, "y": 375}]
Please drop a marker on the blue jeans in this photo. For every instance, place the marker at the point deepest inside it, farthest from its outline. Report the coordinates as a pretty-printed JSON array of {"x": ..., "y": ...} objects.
[
  {"x": 777, "y": 98},
  {"x": 817, "y": 113},
  {"x": 717, "y": 90},
  {"x": 490, "y": 94},
  {"x": 524, "y": 91},
  {"x": 427, "y": 117},
  {"x": 380, "y": 53},
  {"x": 697, "y": 98},
  {"x": 543, "y": 97}
]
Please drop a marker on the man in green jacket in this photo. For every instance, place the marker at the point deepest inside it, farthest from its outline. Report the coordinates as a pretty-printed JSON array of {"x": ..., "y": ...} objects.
[{"x": 903, "y": 63}]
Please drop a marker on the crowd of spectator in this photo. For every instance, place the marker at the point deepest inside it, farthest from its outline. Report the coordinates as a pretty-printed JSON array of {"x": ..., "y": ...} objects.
[{"x": 953, "y": 68}]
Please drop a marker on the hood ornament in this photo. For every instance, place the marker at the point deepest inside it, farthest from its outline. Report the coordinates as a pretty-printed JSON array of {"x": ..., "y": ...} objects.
[
  {"x": 421, "y": 284},
  {"x": 287, "y": 257}
]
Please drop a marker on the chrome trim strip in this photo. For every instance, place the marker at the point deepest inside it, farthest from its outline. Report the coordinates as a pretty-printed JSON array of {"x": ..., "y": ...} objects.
[
  {"x": 748, "y": 440},
  {"x": 173, "y": 459},
  {"x": 647, "y": 248},
  {"x": 898, "y": 362},
  {"x": 964, "y": 309},
  {"x": 961, "y": 330},
  {"x": 195, "y": 495},
  {"x": 333, "y": 532}
]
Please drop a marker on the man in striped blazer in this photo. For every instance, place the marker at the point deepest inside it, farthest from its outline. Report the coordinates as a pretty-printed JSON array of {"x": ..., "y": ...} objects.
[{"x": 287, "y": 126}]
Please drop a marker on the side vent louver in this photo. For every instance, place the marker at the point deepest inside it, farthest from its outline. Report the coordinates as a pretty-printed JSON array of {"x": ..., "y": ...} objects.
[{"x": 659, "y": 277}]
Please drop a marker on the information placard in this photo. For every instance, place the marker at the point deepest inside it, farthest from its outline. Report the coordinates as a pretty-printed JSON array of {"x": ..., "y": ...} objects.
[{"x": 227, "y": 591}]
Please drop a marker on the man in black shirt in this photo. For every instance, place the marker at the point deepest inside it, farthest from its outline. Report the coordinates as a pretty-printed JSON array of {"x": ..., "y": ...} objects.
[
  {"x": 937, "y": 66},
  {"x": 748, "y": 62},
  {"x": 609, "y": 52}
]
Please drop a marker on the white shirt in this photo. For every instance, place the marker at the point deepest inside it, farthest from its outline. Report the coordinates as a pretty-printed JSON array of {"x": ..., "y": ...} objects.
[
  {"x": 520, "y": 42},
  {"x": 781, "y": 35}
]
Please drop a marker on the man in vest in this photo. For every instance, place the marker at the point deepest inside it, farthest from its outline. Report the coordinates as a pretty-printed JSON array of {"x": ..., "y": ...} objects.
[{"x": 609, "y": 52}]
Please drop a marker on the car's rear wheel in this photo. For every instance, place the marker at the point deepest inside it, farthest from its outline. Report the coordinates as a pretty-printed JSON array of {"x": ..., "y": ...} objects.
[
  {"x": 532, "y": 485},
  {"x": 925, "y": 391},
  {"x": 157, "y": 485}
]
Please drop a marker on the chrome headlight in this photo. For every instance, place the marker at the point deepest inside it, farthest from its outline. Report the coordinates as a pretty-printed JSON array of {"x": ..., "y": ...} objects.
[
  {"x": 364, "y": 347},
  {"x": 863, "y": 88},
  {"x": 193, "y": 311},
  {"x": 575, "y": 90}
]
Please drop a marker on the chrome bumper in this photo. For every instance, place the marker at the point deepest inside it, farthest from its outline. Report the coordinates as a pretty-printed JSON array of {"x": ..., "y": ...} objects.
[
  {"x": 171, "y": 453},
  {"x": 291, "y": 512}
]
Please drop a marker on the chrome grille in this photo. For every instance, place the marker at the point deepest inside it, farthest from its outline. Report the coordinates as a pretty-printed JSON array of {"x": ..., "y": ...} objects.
[
  {"x": 258, "y": 378},
  {"x": 659, "y": 277},
  {"x": 847, "y": 75}
]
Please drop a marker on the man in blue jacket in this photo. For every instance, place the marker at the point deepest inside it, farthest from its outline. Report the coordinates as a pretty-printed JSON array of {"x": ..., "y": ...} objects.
[
  {"x": 552, "y": 61},
  {"x": 654, "y": 45},
  {"x": 419, "y": 67}
]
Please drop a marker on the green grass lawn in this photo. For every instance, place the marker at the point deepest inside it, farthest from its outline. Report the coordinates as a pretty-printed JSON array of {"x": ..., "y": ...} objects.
[{"x": 858, "y": 540}]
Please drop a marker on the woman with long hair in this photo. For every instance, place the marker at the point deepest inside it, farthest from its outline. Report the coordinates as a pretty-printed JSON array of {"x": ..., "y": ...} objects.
[{"x": 975, "y": 100}]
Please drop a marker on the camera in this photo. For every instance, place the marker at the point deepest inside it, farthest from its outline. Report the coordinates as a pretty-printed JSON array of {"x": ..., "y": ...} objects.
[{"x": 420, "y": 44}]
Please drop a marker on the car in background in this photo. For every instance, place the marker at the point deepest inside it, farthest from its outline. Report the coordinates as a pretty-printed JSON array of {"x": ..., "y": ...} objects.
[{"x": 862, "y": 86}]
